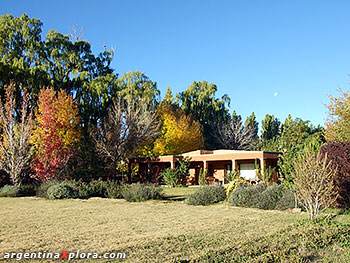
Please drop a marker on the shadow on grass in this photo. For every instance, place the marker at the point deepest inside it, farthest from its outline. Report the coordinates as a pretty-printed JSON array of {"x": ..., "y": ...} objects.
[{"x": 174, "y": 197}]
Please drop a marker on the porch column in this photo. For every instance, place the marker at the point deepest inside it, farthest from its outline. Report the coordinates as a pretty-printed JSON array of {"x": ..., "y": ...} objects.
[
  {"x": 262, "y": 166},
  {"x": 172, "y": 165},
  {"x": 205, "y": 165},
  {"x": 233, "y": 166}
]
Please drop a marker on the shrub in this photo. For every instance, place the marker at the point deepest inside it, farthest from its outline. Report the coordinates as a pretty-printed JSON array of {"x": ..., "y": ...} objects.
[
  {"x": 114, "y": 190},
  {"x": 246, "y": 196},
  {"x": 59, "y": 191},
  {"x": 287, "y": 200},
  {"x": 27, "y": 190},
  {"x": 269, "y": 198},
  {"x": 232, "y": 185},
  {"x": 142, "y": 192},
  {"x": 203, "y": 177},
  {"x": 9, "y": 191},
  {"x": 263, "y": 197},
  {"x": 97, "y": 188},
  {"x": 79, "y": 188},
  {"x": 170, "y": 176},
  {"x": 42, "y": 189},
  {"x": 207, "y": 195}
]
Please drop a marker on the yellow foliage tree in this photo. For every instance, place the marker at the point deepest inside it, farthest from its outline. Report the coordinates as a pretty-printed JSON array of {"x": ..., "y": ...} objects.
[
  {"x": 180, "y": 132},
  {"x": 338, "y": 121}
]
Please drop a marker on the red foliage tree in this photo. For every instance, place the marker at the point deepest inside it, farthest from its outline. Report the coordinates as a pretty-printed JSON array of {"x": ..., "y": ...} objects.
[
  {"x": 56, "y": 133},
  {"x": 339, "y": 154}
]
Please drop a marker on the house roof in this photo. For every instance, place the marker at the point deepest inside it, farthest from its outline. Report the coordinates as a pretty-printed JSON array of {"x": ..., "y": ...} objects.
[{"x": 214, "y": 155}]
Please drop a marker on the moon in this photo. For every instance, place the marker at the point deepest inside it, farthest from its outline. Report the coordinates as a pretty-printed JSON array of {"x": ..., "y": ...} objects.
[{"x": 275, "y": 94}]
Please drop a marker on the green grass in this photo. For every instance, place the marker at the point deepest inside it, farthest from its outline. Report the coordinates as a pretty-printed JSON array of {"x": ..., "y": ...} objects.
[
  {"x": 178, "y": 193},
  {"x": 163, "y": 231}
]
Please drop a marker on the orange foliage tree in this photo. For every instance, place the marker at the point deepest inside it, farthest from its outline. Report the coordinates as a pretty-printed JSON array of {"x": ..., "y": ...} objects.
[
  {"x": 180, "y": 132},
  {"x": 56, "y": 133}
]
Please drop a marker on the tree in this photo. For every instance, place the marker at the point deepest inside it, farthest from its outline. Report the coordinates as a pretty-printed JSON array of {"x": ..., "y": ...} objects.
[
  {"x": 168, "y": 97},
  {"x": 56, "y": 61},
  {"x": 56, "y": 134},
  {"x": 15, "y": 148},
  {"x": 253, "y": 124},
  {"x": 338, "y": 154},
  {"x": 180, "y": 132},
  {"x": 251, "y": 121},
  {"x": 200, "y": 101},
  {"x": 234, "y": 135},
  {"x": 20, "y": 47},
  {"x": 338, "y": 121},
  {"x": 135, "y": 87},
  {"x": 314, "y": 182},
  {"x": 296, "y": 136},
  {"x": 125, "y": 129},
  {"x": 270, "y": 128}
]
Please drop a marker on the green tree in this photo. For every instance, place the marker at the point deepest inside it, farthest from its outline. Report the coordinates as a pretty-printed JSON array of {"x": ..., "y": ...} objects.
[
  {"x": 20, "y": 54},
  {"x": 251, "y": 122},
  {"x": 200, "y": 101},
  {"x": 135, "y": 87},
  {"x": 33, "y": 63},
  {"x": 296, "y": 136},
  {"x": 270, "y": 128}
]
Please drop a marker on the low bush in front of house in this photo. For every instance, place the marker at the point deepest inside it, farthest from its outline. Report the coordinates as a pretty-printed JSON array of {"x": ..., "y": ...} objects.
[
  {"x": 13, "y": 191},
  {"x": 246, "y": 195},
  {"x": 9, "y": 191},
  {"x": 28, "y": 190},
  {"x": 42, "y": 189},
  {"x": 207, "y": 195},
  {"x": 262, "y": 197},
  {"x": 142, "y": 192},
  {"x": 80, "y": 189},
  {"x": 60, "y": 191},
  {"x": 115, "y": 190}
]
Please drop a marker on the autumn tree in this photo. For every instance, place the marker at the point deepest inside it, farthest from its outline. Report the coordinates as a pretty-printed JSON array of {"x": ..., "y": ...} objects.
[
  {"x": 180, "y": 132},
  {"x": 338, "y": 121},
  {"x": 56, "y": 133},
  {"x": 16, "y": 128},
  {"x": 126, "y": 128}
]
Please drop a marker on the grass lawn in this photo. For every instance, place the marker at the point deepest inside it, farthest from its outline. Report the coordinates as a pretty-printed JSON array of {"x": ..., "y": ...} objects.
[
  {"x": 156, "y": 231},
  {"x": 178, "y": 193}
]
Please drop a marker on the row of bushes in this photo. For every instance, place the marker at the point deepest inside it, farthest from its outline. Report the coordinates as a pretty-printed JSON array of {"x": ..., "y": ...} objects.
[
  {"x": 78, "y": 189},
  {"x": 257, "y": 196}
]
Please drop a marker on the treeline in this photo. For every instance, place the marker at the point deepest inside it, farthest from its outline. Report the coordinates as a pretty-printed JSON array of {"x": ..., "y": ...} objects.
[{"x": 67, "y": 113}]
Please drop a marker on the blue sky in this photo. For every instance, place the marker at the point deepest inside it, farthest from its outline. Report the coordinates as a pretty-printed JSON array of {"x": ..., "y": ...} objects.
[{"x": 275, "y": 57}]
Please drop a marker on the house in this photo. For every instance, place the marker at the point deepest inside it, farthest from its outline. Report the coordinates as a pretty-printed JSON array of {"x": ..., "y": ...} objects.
[{"x": 217, "y": 162}]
